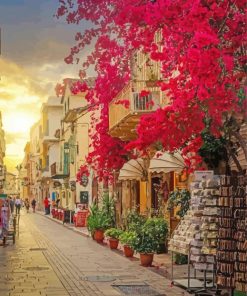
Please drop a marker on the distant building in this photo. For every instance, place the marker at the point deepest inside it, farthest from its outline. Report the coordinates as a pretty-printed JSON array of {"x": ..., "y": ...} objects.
[
  {"x": 51, "y": 115},
  {"x": 10, "y": 184},
  {"x": 74, "y": 147}
]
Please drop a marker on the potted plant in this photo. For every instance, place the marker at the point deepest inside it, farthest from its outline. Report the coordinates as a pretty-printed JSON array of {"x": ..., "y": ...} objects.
[
  {"x": 145, "y": 245},
  {"x": 152, "y": 233},
  {"x": 113, "y": 237},
  {"x": 159, "y": 228},
  {"x": 134, "y": 220},
  {"x": 128, "y": 238},
  {"x": 97, "y": 223}
]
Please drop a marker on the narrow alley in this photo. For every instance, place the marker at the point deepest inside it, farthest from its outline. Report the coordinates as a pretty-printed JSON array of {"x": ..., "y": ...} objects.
[{"x": 50, "y": 260}]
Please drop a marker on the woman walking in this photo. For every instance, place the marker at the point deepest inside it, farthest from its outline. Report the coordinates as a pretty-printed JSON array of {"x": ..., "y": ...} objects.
[
  {"x": 27, "y": 205},
  {"x": 33, "y": 203},
  {"x": 47, "y": 206}
]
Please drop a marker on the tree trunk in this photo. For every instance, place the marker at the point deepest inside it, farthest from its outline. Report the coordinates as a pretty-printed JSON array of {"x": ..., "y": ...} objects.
[{"x": 242, "y": 142}]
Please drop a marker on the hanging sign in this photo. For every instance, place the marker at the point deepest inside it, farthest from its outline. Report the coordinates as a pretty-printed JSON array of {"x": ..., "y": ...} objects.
[
  {"x": 84, "y": 197},
  {"x": 84, "y": 180},
  {"x": 72, "y": 185},
  {"x": 203, "y": 175}
]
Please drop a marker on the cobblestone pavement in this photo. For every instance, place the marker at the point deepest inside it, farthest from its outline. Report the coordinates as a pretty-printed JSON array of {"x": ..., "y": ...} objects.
[{"x": 49, "y": 259}]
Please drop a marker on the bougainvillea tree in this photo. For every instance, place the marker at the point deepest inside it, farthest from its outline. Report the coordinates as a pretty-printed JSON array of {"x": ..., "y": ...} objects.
[{"x": 202, "y": 55}]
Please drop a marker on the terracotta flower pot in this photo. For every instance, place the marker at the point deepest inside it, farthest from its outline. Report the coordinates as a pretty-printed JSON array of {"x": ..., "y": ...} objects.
[
  {"x": 146, "y": 259},
  {"x": 113, "y": 243},
  {"x": 128, "y": 252},
  {"x": 99, "y": 236}
]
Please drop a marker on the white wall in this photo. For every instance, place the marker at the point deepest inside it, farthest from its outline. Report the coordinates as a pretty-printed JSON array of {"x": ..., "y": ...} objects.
[{"x": 54, "y": 117}]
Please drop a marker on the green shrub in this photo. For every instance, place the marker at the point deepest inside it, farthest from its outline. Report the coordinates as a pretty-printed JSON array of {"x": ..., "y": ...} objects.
[
  {"x": 159, "y": 228},
  {"x": 113, "y": 233},
  {"x": 97, "y": 220},
  {"x": 134, "y": 221},
  {"x": 108, "y": 208},
  {"x": 180, "y": 259},
  {"x": 153, "y": 232},
  {"x": 128, "y": 238}
]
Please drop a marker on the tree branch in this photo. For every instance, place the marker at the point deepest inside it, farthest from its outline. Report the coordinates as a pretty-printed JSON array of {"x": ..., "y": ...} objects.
[{"x": 241, "y": 141}]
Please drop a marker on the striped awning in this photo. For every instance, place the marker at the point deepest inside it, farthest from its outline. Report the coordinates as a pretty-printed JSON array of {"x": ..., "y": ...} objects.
[
  {"x": 164, "y": 162},
  {"x": 134, "y": 169}
]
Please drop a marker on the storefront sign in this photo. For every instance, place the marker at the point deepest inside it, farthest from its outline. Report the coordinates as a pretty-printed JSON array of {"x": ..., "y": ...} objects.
[
  {"x": 81, "y": 218},
  {"x": 72, "y": 185},
  {"x": 84, "y": 197},
  {"x": 3, "y": 196},
  {"x": 56, "y": 184},
  {"x": 84, "y": 180},
  {"x": 203, "y": 175}
]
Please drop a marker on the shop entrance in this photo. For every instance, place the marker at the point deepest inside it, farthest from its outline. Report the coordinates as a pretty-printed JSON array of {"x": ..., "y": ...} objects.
[{"x": 156, "y": 181}]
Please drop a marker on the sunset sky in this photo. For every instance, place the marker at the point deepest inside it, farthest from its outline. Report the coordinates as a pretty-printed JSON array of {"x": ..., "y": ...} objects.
[{"x": 34, "y": 44}]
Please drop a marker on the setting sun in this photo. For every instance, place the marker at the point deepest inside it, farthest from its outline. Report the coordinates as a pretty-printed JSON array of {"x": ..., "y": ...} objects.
[{"x": 19, "y": 122}]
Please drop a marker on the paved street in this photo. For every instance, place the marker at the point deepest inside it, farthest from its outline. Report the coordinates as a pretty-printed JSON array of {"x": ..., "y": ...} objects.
[{"x": 49, "y": 259}]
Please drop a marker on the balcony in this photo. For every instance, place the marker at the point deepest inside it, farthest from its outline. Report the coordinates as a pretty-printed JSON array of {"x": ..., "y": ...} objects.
[
  {"x": 56, "y": 173},
  {"x": 46, "y": 172},
  {"x": 46, "y": 138},
  {"x": 123, "y": 118}
]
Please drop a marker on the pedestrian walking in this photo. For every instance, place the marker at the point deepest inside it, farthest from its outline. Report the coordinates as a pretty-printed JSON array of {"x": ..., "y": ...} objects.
[
  {"x": 5, "y": 214},
  {"x": 57, "y": 202},
  {"x": 47, "y": 206},
  {"x": 17, "y": 205},
  {"x": 11, "y": 204},
  {"x": 33, "y": 203},
  {"x": 27, "y": 205}
]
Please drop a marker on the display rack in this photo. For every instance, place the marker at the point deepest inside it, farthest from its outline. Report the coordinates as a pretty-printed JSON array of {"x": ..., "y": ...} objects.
[
  {"x": 209, "y": 233},
  {"x": 213, "y": 235},
  {"x": 194, "y": 281},
  {"x": 189, "y": 239},
  {"x": 232, "y": 241}
]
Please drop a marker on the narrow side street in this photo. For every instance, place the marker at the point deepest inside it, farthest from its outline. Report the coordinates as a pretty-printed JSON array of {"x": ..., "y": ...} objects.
[{"x": 49, "y": 259}]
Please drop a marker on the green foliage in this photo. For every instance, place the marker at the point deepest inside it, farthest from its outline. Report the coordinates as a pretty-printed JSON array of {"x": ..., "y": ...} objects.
[
  {"x": 113, "y": 233},
  {"x": 241, "y": 96},
  {"x": 134, "y": 221},
  {"x": 179, "y": 198},
  {"x": 97, "y": 220},
  {"x": 152, "y": 232},
  {"x": 213, "y": 149},
  {"x": 108, "y": 207},
  {"x": 180, "y": 259},
  {"x": 128, "y": 238},
  {"x": 93, "y": 208},
  {"x": 159, "y": 227}
]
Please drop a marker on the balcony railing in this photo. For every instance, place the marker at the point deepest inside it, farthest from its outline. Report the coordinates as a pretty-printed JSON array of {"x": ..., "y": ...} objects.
[
  {"x": 54, "y": 169},
  {"x": 129, "y": 102},
  {"x": 56, "y": 173}
]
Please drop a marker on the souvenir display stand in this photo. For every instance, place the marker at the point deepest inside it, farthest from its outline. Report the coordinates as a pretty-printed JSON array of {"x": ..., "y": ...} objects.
[
  {"x": 205, "y": 258},
  {"x": 213, "y": 235},
  {"x": 232, "y": 238},
  {"x": 195, "y": 236}
]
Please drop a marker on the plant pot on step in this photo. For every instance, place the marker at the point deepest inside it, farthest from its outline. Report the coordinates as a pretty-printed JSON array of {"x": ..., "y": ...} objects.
[
  {"x": 146, "y": 259},
  {"x": 128, "y": 251},
  {"x": 113, "y": 242},
  {"x": 99, "y": 235}
]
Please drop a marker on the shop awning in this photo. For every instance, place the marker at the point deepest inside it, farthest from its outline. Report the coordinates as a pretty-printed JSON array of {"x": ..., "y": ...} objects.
[
  {"x": 164, "y": 162},
  {"x": 134, "y": 169}
]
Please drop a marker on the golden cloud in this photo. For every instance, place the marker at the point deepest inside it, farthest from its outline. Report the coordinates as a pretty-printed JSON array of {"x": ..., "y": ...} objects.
[
  {"x": 14, "y": 80},
  {"x": 21, "y": 96}
]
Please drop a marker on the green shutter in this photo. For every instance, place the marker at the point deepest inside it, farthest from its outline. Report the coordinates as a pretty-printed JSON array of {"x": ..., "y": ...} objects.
[{"x": 66, "y": 159}]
